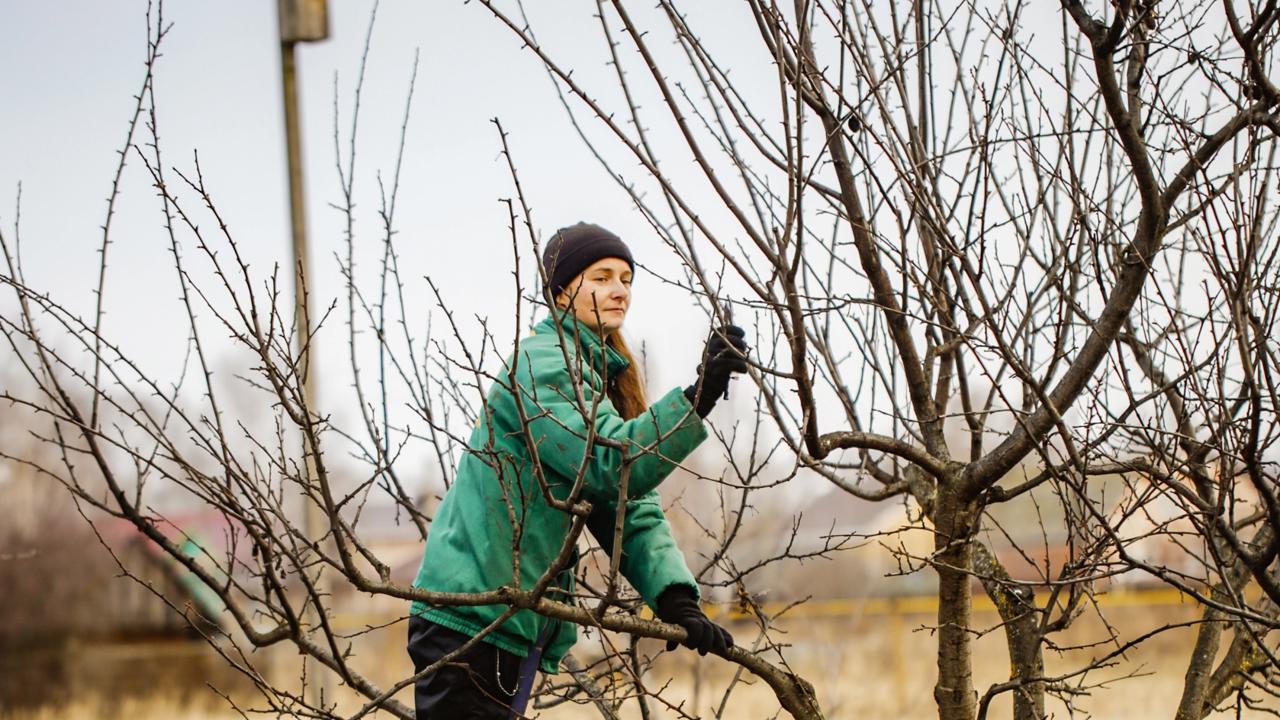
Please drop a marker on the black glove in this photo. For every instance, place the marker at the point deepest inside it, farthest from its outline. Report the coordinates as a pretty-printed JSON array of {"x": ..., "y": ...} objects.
[
  {"x": 678, "y": 605},
  {"x": 726, "y": 353}
]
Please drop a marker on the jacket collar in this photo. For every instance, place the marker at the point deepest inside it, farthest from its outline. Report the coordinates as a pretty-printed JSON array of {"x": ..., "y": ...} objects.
[{"x": 590, "y": 343}]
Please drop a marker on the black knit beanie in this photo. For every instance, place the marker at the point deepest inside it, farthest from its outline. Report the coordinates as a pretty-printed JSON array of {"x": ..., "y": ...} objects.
[{"x": 573, "y": 249}]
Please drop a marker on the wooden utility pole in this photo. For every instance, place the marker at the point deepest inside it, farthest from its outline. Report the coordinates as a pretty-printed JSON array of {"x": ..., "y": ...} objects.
[{"x": 303, "y": 21}]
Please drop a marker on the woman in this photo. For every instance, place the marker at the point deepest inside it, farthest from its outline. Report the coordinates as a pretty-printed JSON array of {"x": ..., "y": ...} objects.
[{"x": 531, "y": 441}]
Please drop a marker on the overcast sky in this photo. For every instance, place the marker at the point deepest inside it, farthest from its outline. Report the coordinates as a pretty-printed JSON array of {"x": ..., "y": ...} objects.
[{"x": 69, "y": 72}]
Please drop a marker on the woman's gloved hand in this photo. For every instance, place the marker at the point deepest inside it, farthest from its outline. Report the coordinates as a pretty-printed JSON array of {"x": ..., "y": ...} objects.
[
  {"x": 726, "y": 353},
  {"x": 678, "y": 605}
]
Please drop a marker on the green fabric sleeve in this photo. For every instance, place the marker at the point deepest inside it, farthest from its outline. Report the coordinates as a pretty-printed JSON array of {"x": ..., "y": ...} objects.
[
  {"x": 651, "y": 559},
  {"x": 658, "y": 439}
]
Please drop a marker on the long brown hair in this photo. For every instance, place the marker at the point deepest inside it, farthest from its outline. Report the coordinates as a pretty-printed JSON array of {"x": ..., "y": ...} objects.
[{"x": 626, "y": 389}]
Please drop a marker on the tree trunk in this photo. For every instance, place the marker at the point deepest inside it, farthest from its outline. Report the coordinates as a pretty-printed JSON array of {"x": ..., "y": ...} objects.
[
  {"x": 1017, "y": 607},
  {"x": 1243, "y": 658},
  {"x": 1208, "y": 639},
  {"x": 1204, "y": 687},
  {"x": 953, "y": 528}
]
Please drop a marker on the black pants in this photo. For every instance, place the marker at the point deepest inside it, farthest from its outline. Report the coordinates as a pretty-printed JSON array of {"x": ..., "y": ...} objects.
[{"x": 477, "y": 685}]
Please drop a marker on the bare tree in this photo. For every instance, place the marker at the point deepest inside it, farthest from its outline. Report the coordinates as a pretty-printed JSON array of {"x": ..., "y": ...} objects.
[
  {"x": 122, "y": 439},
  {"x": 1052, "y": 235},
  {"x": 991, "y": 258}
]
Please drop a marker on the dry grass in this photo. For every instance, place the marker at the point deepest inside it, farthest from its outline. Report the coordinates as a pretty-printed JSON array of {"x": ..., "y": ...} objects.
[
  {"x": 877, "y": 666},
  {"x": 867, "y": 665},
  {"x": 152, "y": 708}
]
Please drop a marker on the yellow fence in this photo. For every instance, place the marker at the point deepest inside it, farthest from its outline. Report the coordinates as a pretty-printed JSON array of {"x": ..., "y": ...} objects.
[{"x": 928, "y": 604}]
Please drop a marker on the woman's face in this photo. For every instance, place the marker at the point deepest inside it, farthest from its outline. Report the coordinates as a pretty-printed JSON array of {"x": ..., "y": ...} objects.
[{"x": 600, "y": 295}]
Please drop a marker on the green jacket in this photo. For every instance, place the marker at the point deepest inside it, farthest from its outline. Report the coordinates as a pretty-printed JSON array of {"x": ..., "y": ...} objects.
[{"x": 469, "y": 547}]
